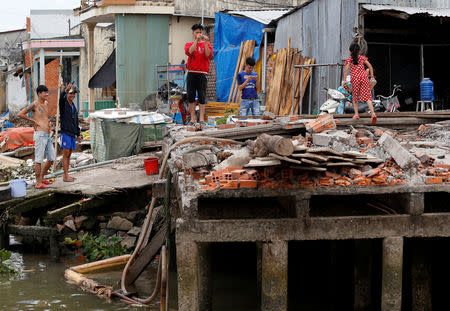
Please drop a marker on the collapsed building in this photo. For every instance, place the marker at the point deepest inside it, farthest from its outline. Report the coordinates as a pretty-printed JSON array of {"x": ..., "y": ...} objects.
[{"x": 301, "y": 217}]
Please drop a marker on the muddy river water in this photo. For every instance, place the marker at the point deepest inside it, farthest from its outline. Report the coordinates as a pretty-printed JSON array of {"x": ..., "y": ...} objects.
[{"x": 41, "y": 286}]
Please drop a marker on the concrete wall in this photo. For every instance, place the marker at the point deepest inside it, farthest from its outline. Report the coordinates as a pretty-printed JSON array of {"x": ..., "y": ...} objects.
[
  {"x": 180, "y": 33},
  {"x": 103, "y": 48},
  {"x": 16, "y": 94},
  {"x": 51, "y": 23}
]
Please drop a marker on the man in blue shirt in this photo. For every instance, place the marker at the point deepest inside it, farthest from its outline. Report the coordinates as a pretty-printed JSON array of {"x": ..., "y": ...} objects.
[{"x": 248, "y": 85}]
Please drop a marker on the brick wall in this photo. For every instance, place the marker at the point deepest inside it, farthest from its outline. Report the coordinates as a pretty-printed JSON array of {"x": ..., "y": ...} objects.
[
  {"x": 211, "y": 89},
  {"x": 51, "y": 81}
]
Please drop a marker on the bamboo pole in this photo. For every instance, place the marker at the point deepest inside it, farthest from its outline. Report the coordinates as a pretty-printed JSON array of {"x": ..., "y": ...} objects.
[{"x": 102, "y": 264}]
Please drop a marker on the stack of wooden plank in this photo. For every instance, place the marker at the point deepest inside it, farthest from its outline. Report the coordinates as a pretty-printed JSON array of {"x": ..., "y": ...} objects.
[
  {"x": 247, "y": 48},
  {"x": 279, "y": 95},
  {"x": 219, "y": 108}
]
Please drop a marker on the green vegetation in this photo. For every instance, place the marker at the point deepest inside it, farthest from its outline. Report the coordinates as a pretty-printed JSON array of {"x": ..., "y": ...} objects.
[
  {"x": 223, "y": 120},
  {"x": 6, "y": 266},
  {"x": 93, "y": 248}
]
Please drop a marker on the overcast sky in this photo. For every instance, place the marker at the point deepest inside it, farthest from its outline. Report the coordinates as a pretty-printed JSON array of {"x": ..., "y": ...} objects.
[{"x": 13, "y": 13}]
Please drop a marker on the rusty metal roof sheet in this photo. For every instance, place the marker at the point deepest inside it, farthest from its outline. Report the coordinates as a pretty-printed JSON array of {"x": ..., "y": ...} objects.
[
  {"x": 444, "y": 12},
  {"x": 263, "y": 16}
]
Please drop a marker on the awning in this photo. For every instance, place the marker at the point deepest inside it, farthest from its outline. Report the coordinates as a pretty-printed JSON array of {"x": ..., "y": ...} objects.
[
  {"x": 106, "y": 75},
  {"x": 263, "y": 16},
  {"x": 408, "y": 10}
]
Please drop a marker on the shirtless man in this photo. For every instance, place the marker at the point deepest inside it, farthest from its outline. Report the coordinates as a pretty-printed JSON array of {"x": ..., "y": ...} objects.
[{"x": 42, "y": 141}]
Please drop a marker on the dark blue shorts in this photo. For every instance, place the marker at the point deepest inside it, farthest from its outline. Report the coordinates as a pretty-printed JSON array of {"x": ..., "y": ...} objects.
[{"x": 68, "y": 142}]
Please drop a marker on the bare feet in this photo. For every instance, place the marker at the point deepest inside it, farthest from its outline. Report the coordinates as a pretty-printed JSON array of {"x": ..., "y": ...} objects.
[{"x": 69, "y": 179}]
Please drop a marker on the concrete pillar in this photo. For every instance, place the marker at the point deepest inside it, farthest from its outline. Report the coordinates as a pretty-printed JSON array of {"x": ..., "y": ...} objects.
[
  {"x": 391, "y": 283},
  {"x": 41, "y": 66},
  {"x": 274, "y": 283},
  {"x": 91, "y": 28},
  {"x": 302, "y": 205},
  {"x": 35, "y": 76},
  {"x": 187, "y": 267},
  {"x": 363, "y": 274},
  {"x": 421, "y": 277},
  {"x": 414, "y": 203},
  {"x": 205, "y": 276}
]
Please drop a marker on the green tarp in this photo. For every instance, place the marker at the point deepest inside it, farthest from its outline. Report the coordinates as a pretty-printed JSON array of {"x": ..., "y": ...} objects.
[{"x": 122, "y": 139}]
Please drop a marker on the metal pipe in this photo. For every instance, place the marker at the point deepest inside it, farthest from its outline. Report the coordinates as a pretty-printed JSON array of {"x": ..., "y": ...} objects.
[
  {"x": 79, "y": 168},
  {"x": 264, "y": 65},
  {"x": 310, "y": 88},
  {"x": 422, "y": 67},
  {"x": 318, "y": 89},
  {"x": 203, "y": 12},
  {"x": 318, "y": 65},
  {"x": 301, "y": 90},
  {"x": 293, "y": 93}
]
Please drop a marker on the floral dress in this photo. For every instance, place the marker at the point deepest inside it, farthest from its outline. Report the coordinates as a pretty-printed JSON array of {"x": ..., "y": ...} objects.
[{"x": 359, "y": 80}]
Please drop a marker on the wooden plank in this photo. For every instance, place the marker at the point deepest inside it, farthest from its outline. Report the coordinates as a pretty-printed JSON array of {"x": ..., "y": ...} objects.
[
  {"x": 146, "y": 256},
  {"x": 235, "y": 73}
]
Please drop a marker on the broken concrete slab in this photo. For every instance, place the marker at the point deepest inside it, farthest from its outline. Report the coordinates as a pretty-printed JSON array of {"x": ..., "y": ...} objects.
[{"x": 400, "y": 155}]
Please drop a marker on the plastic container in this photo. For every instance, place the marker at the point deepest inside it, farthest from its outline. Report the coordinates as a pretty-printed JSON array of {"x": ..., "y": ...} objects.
[
  {"x": 426, "y": 90},
  {"x": 18, "y": 188},
  {"x": 151, "y": 166}
]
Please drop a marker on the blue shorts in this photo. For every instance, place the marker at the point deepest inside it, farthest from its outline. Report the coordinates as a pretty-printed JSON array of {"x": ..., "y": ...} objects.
[
  {"x": 43, "y": 146},
  {"x": 68, "y": 142}
]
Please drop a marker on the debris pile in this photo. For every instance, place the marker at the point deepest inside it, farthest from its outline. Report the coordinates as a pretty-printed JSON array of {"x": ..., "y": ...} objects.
[{"x": 323, "y": 157}]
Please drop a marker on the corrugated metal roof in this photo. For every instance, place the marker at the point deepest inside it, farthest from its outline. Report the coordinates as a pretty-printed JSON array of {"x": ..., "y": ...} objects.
[
  {"x": 262, "y": 16},
  {"x": 408, "y": 10}
]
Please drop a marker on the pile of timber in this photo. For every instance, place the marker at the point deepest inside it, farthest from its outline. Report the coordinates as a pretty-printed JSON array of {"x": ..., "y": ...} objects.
[
  {"x": 247, "y": 48},
  {"x": 220, "y": 108},
  {"x": 279, "y": 95}
]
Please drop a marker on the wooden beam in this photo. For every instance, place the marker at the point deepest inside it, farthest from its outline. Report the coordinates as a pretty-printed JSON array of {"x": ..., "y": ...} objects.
[{"x": 146, "y": 256}]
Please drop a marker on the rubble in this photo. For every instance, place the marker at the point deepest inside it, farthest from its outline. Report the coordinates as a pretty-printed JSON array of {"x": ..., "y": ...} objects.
[{"x": 324, "y": 157}]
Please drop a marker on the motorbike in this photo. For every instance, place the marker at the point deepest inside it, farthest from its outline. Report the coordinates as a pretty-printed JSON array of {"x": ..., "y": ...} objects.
[{"x": 389, "y": 103}]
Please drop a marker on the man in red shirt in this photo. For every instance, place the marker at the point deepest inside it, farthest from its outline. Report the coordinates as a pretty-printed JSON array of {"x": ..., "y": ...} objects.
[{"x": 199, "y": 53}]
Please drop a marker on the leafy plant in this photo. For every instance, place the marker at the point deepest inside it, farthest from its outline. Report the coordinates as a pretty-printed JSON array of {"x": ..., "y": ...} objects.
[
  {"x": 6, "y": 266},
  {"x": 94, "y": 247},
  {"x": 223, "y": 120}
]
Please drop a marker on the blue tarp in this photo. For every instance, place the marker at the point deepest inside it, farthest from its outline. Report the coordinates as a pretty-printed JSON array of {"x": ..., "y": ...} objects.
[{"x": 229, "y": 32}]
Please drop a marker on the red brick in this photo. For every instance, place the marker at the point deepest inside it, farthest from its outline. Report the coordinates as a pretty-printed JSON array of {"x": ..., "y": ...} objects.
[
  {"x": 226, "y": 126},
  {"x": 248, "y": 183},
  {"x": 434, "y": 180},
  {"x": 379, "y": 132},
  {"x": 364, "y": 140},
  {"x": 236, "y": 174}
]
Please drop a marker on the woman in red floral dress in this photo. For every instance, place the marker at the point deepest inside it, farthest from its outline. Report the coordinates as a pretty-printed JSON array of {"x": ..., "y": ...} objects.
[{"x": 359, "y": 80}]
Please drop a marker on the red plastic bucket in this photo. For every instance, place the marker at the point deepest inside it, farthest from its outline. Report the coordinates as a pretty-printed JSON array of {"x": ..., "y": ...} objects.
[{"x": 151, "y": 166}]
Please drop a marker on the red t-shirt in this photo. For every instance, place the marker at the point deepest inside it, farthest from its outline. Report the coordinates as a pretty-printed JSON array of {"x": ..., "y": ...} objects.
[{"x": 198, "y": 61}]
